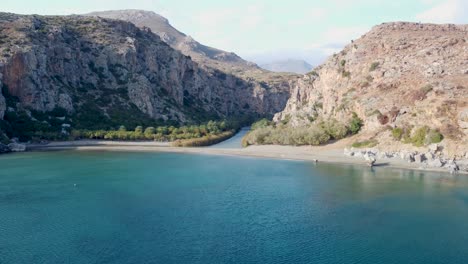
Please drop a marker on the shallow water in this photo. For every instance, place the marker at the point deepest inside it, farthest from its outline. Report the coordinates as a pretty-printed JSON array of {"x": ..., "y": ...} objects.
[
  {"x": 234, "y": 142},
  {"x": 116, "y": 207}
]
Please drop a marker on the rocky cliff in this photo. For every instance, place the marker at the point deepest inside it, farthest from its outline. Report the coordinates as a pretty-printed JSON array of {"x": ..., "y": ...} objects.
[
  {"x": 208, "y": 57},
  {"x": 404, "y": 75},
  {"x": 100, "y": 69},
  {"x": 187, "y": 45}
]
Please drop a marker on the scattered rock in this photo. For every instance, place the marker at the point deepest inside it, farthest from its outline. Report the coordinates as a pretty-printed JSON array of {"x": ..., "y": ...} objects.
[
  {"x": 409, "y": 157},
  {"x": 436, "y": 163},
  {"x": 419, "y": 158},
  {"x": 17, "y": 147},
  {"x": 4, "y": 148},
  {"x": 348, "y": 152}
]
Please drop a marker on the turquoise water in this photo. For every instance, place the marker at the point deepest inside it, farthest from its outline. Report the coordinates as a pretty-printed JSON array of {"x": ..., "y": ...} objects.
[
  {"x": 111, "y": 207},
  {"x": 235, "y": 141}
]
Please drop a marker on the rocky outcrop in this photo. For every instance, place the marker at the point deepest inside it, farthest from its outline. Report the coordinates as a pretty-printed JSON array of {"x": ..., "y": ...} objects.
[
  {"x": 17, "y": 147},
  {"x": 187, "y": 45},
  {"x": 106, "y": 67},
  {"x": 277, "y": 84},
  {"x": 397, "y": 75},
  {"x": 4, "y": 148},
  {"x": 429, "y": 159}
]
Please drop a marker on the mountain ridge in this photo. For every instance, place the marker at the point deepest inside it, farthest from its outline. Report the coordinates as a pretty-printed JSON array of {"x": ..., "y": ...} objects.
[
  {"x": 288, "y": 65},
  {"x": 95, "y": 72},
  {"x": 398, "y": 76}
]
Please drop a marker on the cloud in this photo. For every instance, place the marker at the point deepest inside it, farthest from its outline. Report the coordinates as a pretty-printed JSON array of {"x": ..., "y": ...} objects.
[{"x": 449, "y": 11}]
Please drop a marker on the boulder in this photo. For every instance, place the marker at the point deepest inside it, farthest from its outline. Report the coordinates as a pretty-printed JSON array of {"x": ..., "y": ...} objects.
[
  {"x": 452, "y": 166},
  {"x": 433, "y": 148},
  {"x": 4, "y": 148},
  {"x": 463, "y": 165},
  {"x": 17, "y": 147},
  {"x": 348, "y": 152},
  {"x": 436, "y": 163},
  {"x": 409, "y": 157},
  {"x": 419, "y": 158},
  {"x": 429, "y": 156}
]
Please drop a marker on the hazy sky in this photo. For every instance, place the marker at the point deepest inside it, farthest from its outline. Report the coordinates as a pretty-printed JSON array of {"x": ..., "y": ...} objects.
[{"x": 266, "y": 29}]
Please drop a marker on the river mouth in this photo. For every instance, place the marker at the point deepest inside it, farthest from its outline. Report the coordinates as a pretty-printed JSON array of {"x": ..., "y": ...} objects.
[
  {"x": 130, "y": 207},
  {"x": 235, "y": 142}
]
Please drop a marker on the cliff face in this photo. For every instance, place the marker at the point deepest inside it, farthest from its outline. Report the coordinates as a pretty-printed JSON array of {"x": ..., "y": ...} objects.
[
  {"x": 398, "y": 75},
  {"x": 207, "y": 57},
  {"x": 86, "y": 64},
  {"x": 200, "y": 53}
]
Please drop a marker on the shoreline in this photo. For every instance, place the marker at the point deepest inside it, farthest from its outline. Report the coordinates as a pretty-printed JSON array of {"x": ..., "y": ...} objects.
[{"x": 332, "y": 153}]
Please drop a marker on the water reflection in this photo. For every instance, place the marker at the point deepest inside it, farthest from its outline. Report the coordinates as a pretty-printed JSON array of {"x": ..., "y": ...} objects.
[{"x": 354, "y": 181}]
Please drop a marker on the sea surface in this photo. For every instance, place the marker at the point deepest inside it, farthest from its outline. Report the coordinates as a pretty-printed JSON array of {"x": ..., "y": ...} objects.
[{"x": 124, "y": 207}]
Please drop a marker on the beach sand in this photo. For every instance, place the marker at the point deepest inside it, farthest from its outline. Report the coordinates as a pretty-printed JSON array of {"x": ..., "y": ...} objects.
[{"x": 331, "y": 153}]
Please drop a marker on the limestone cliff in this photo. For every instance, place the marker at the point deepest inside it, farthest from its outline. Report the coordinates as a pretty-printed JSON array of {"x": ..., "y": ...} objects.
[
  {"x": 397, "y": 75},
  {"x": 206, "y": 57},
  {"x": 105, "y": 68}
]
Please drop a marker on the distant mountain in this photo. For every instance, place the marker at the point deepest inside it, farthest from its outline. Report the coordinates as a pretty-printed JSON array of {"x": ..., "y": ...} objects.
[{"x": 294, "y": 66}]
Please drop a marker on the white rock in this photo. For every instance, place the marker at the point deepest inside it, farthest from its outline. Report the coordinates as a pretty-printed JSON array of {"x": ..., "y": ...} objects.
[
  {"x": 419, "y": 158},
  {"x": 436, "y": 163},
  {"x": 17, "y": 147}
]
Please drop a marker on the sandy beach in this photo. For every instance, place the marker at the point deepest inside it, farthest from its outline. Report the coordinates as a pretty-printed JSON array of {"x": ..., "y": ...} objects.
[{"x": 332, "y": 153}]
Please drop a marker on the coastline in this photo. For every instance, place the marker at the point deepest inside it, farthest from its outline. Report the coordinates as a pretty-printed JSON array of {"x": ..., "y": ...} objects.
[{"x": 332, "y": 153}]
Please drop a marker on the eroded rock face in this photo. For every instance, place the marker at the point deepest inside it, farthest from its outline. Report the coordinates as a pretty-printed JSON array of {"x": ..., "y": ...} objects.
[
  {"x": 398, "y": 74},
  {"x": 81, "y": 63}
]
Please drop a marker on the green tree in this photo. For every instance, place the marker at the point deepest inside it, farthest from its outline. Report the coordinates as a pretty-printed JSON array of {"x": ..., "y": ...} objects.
[
  {"x": 355, "y": 124},
  {"x": 150, "y": 131},
  {"x": 139, "y": 129}
]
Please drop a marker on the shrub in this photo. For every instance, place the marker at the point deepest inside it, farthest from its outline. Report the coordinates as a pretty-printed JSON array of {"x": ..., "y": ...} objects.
[
  {"x": 139, "y": 129},
  {"x": 204, "y": 141},
  {"x": 419, "y": 136},
  {"x": 313, "y": 73},
  {"x": 335, "y": 129},
  {"x": 261, "y": 124},
  {"x": 150, "y": 131},
  {"x": 365, "y": 144},
  {"x": 355, "y": 124},
  {"x": 397, "y": 133},
  {"x": 343, "y": 63},
  {"x": 434, "y": 136},
  {"x": 316, "y": 136},
  {"x": 374, "y": 66},
  {"x": 346, "y": 74},
  {"x": 426, "y": 89}
]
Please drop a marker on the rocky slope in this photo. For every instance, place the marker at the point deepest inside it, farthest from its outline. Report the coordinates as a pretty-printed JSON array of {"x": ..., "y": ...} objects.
[
  {"x": 293, "y": 66},
  {"x": 93, "y": 70},
  {"x": 224, "y": 61},
  {"x": 404, "y": 75},
  {"x": 176, "y": 39}
]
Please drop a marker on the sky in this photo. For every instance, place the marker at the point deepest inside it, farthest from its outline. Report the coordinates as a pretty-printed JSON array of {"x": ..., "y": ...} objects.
[{"x": 267, "y": 30}]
